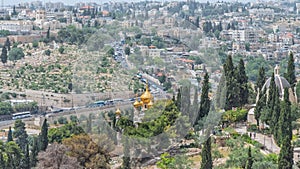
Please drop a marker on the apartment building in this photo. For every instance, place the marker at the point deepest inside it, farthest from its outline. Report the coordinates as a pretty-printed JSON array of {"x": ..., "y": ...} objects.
[{"x": 16, "y": 27}]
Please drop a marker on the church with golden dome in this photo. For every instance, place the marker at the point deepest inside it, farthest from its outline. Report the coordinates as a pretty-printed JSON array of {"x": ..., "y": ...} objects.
[{"x": 146, "y": 101}]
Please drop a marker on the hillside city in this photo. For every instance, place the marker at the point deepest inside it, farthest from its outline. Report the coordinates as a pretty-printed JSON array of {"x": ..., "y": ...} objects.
[{"x": 150, "y": 84}]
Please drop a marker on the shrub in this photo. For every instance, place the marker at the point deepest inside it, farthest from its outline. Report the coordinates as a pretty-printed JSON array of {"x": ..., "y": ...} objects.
[
  {"x": 35, "y": 44},
  {"x": 252, "y": 128},
  {"x": 62, "y": 120},
  {"x": 47, "y": 52}
]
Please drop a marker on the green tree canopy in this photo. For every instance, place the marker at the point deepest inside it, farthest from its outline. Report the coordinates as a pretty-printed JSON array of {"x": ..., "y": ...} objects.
[
  {"x": 66, "y": 131},
  {"x": 16, "y": 54},
  {"x": 5, "y": 108},
  {"x": 20, "y": 134}
]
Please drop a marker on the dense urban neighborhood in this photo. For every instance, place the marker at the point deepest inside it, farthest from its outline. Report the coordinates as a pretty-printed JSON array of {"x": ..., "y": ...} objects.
[{"x": 150, "y": 84}]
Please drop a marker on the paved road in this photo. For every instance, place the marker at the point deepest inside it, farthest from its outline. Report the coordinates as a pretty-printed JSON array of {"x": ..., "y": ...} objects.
[
  {"x": 84, "y": 110},
  {"x": 265, "y": 140},
  {"x": 269, "y": 142}
]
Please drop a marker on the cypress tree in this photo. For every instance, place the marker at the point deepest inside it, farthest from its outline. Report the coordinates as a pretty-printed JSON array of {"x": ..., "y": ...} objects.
[
  {"x": 9, "y": 135},
  {"x": 178, "y": 99},
  {"x": 259, "y": 106},
  {"x": 261, "y": 79},
  {"x": 270, "y": 101},
  {"x": 4, "y": 55},
  {"x": 285, "y": 160},
  {"x": 26, "y": 160},
  {"x": 250, "y": 159},
  {"x": 7, "y": 44},
  {"x": 242, "y": 82},
  {"x": 285, "y": 119},
  {"x": 275, "y": 115},
  {"x": 231, "y": 86},
  {"x": 34, "y": 152},
  {"x": 205, "y": 101},
  {"x": 290, "y": 74},
  {"x": 44, "y": 136},
  {"x": 48, "y": 33},
  {"x": 14, "y": 11},
  {"x": 206, "y": 155},
  {"x": 272, "y": 88}
]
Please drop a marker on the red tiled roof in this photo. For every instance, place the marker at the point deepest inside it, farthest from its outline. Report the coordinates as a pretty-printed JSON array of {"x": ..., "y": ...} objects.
[
  {"x": 159, "y": 74},
  {"x": 87, "y": 7},
  {"x": 186, "y": 60}
]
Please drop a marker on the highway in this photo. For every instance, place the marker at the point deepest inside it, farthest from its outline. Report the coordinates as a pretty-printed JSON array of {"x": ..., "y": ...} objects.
[
  {"x": 81, "y": 111},
  {"x": 156, "y": 91}
]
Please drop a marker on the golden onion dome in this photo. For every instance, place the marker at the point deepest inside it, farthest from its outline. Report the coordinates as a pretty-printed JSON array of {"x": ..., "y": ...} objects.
[
  {"x": 136, "y": 104},
  {"x": 118, "y": 112},
  {"x": 150, "y": 104},
  {"x": 146, "y": 96}
]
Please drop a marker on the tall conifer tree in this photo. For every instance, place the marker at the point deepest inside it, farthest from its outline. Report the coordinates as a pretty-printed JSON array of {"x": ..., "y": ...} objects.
[
  {"x": 261, "y": 79},
  {"x": 7, "y": 44},
  {"x": 285, "y": 119},
  {"x": 4, "y": 55},
  {"x": 261, "y": 103},
  {"x": 48, "y": 33},
  {"x": 270, "y": 101},
  {"x": 9, "y": 135},
  {"x": 26, "y": 159},
  {"x": 290, "y": 74},
  {"x": 250, "y": 159},
  {"x": 34, "y": 152},
  {"x": 205, "y": 101},
  {"x": 44, "y": 136},
  {"x": 242, "y": 82},
  {"x": 206, "y": 155},
  {"x": 231, "y": 85},
  {"x": 275, "y": 115},
  {"x": 178, "y": 99},
  {"x": 285, "y": 160}
]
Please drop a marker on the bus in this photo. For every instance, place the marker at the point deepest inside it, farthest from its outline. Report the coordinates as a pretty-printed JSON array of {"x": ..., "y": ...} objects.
[
  {"x": 21, "y": 115},
  {"x": 99, "y": 103}
]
